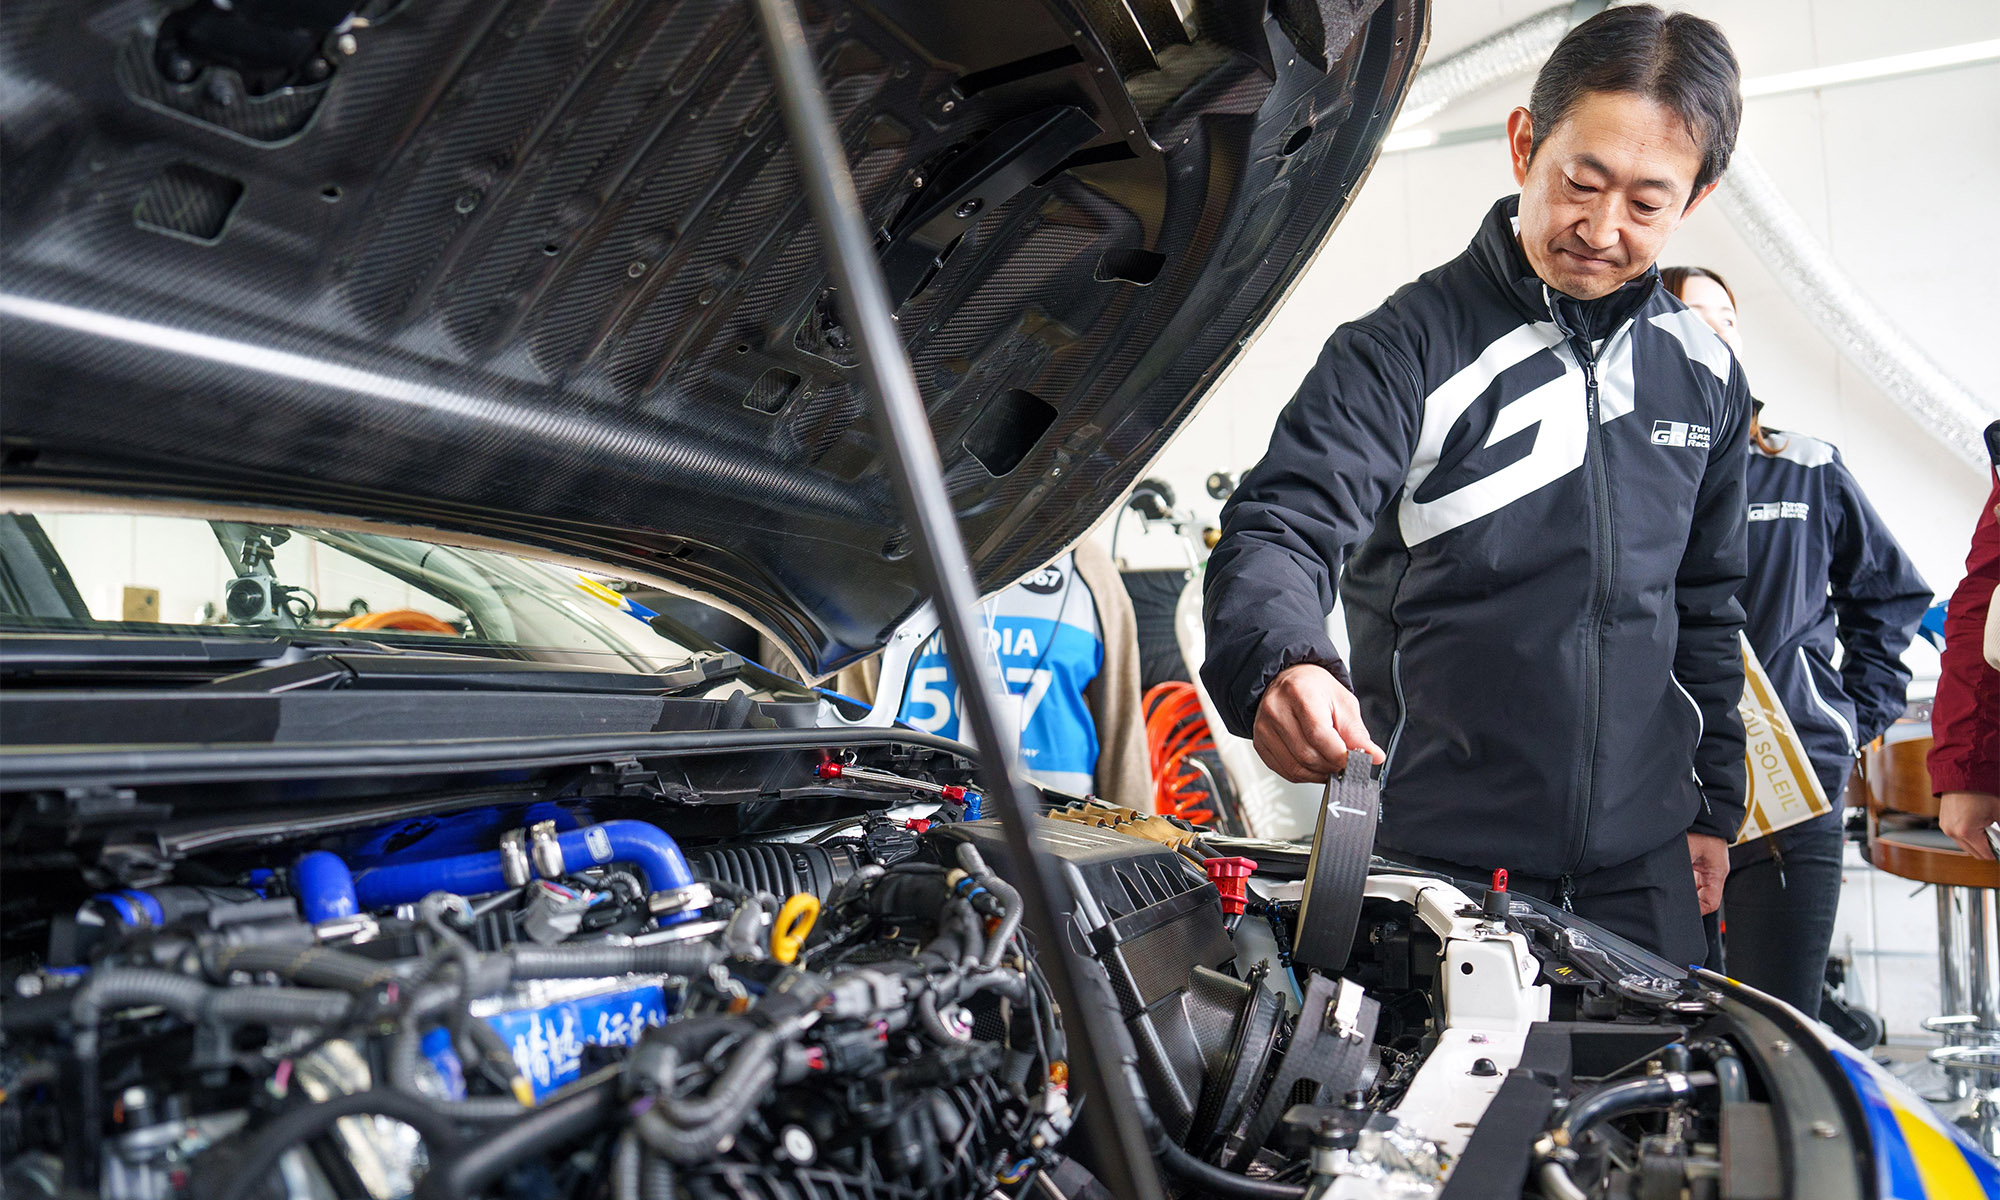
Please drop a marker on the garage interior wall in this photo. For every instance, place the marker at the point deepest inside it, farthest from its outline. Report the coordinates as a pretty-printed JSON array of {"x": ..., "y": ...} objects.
[{"x": 1897, "y": 177}]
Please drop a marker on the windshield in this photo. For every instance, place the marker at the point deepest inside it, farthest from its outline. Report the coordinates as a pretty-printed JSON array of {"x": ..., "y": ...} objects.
[{"x": 74, "y": 572}]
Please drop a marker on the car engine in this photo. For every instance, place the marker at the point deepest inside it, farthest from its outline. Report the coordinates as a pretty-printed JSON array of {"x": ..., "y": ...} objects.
[{"x": 802, "y": 974}]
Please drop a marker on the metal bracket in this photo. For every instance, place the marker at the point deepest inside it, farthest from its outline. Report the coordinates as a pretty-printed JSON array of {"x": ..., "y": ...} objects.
[
  {"x": 994, "y": 170},
  {"x": 1343, "y": 1016}
]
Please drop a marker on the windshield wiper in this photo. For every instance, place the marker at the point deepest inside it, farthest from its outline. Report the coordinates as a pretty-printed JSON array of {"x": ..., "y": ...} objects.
[
  {"x": 291, "y": 662},
  {"x": 707, "y": 667},
  {"x": 465, "y": 672},
  {"x": 42, "y": 654}
]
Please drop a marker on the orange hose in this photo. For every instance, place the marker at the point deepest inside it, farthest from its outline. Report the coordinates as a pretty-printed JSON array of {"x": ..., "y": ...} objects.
[
  {"x": 408, "y": 620},
  {"x": 1176, "y": 731}
]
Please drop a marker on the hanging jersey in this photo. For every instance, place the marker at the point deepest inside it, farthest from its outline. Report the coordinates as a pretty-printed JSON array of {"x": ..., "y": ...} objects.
[{"x": 1045, "y": 640}]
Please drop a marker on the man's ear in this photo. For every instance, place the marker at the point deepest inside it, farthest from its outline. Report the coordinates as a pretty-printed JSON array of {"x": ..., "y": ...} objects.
[
  {"x": 1698, "y": 198},
  {"x": 1520, "y": 142}
]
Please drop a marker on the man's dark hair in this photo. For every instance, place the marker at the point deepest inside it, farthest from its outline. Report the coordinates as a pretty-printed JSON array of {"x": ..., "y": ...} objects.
[{"x": 1679, "y": 61}]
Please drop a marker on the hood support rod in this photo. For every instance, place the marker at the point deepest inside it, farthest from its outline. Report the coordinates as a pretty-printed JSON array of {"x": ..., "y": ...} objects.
[{"x": 1111, "y": 1117}]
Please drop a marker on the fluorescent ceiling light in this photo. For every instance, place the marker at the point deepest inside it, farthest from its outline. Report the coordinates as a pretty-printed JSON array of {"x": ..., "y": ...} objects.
[
  {"x": 1873, "y": 68},
  {"x": 1409, "y": 139}
]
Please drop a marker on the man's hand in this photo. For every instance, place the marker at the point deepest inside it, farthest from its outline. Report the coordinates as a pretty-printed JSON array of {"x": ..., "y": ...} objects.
[
  {"x": 1306, "y": 724},
  {"x": 1962, "y": 815},
  {"x": 1710, "y": 855}
]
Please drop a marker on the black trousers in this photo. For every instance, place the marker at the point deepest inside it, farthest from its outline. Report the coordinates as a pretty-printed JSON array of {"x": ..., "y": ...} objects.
[
  {"x": 1650, "y": 900},
  {"x": 1778, "y": 909}
]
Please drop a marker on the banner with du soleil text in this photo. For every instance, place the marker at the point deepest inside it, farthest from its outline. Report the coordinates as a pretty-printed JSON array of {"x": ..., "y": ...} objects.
[{"x": 1783, "y": 788}]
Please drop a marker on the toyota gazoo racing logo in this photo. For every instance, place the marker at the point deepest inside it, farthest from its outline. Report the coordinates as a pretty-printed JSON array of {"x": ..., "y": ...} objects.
[
  {"x": 1680, "y": 433},
  {"x": 1781, "y": 510}
]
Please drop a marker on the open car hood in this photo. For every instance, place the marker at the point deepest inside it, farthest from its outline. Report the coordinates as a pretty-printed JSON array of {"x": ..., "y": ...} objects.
[{"x": 542, "y": 272}]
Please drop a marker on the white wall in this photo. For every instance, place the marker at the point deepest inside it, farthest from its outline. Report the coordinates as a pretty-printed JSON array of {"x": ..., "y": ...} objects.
[{"x": 1898, "y": 177}]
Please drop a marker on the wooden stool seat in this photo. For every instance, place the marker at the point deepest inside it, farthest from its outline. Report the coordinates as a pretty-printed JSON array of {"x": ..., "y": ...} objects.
[
  {"x": 1894, "y": 771},
  {"x": 1926, "y": 855},
  {"x": 1900, "y": 839}
]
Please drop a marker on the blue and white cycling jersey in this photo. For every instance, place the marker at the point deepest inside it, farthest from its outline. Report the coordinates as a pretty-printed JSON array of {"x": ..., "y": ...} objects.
[{"x": 1045, "y": 639}]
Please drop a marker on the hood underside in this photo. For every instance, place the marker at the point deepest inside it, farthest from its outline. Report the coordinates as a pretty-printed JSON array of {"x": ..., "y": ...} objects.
[{"x": 542, "y": 271}]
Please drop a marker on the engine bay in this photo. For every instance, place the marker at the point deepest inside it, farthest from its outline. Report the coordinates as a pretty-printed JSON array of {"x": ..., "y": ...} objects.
[{"x": 800, "y": 971}]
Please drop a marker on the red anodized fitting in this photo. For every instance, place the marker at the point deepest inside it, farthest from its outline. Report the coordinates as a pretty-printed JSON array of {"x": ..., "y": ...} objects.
[{"x": 1229, "y": 876}]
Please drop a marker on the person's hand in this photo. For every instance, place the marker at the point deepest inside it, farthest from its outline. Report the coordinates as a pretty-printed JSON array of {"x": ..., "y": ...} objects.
[
  {"x": 1306, "y": 724},
  {"x": 1710, "y": 856},
  {"x": 1963, "y": 816}
]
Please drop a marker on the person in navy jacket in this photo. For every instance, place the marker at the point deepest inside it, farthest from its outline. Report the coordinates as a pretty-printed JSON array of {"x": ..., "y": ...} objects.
[
  {"x": 1824, "y": 569},
  {"x": 1523, "y": 477}
]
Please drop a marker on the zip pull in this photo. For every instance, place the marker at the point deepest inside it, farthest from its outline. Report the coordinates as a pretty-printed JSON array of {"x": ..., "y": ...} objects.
[
  {"x": 1778, "y": 857},
  {"x": 1566, "y": 893}
]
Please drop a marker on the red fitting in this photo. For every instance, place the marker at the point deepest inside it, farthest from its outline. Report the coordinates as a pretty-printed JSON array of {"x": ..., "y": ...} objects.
[
  {"x": 1500, "y": 879},
  {"x": 952, "y": 792},
  {"x": 1228, "y": 876},
  {"x": 917, "y": 825},
  {"x": 828, "y": 770}
]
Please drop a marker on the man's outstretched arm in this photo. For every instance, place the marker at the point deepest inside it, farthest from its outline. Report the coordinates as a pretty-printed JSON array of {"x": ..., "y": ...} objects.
[{"x": 1337, "y": 455}]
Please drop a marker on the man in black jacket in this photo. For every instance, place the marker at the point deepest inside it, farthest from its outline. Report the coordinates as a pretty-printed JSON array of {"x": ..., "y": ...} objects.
[{"x": 1526, "y": 469}]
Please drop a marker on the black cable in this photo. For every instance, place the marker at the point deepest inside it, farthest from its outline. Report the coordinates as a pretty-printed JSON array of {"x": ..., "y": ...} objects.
[
  {"x": 465, "y": 1173},
  {"x": 1729, "y": 1076},
  {"x": 1210, "y": 1178},
  {"x": 301, "y": 1125},
  {"x": 309, "y": 966},
  {"x": 587, "y": 961},
  {"x": 657, "y": 1179},
  {"x": 1628, "y": 1096}
]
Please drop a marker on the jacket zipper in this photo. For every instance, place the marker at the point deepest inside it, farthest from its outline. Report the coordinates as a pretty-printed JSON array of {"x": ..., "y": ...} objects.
[
  {"x": 1402, "y": 712},
  {"x": 1601, "y": 568}
]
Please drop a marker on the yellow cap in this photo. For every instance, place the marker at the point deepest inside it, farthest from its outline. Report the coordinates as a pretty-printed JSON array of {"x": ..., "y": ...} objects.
[{"x": 795, "y": 921}]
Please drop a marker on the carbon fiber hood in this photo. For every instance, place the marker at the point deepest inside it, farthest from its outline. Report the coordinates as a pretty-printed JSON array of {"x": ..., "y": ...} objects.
[{"x": 540, "y": 271}]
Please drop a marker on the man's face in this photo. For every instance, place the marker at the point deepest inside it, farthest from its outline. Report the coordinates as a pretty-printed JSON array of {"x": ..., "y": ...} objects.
[{"x": 1603, "y": 192}]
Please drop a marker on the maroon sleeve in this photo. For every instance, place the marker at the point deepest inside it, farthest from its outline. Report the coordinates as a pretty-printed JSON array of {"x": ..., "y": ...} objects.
[{"x": 1965, "y": 720}]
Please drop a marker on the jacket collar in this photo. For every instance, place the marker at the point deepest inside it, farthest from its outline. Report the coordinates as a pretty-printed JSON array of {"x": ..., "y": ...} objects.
[{"x": 1497, "y": 251}]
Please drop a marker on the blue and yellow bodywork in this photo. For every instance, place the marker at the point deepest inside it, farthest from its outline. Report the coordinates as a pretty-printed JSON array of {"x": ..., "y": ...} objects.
[{"x": 1918, "y": 1154}]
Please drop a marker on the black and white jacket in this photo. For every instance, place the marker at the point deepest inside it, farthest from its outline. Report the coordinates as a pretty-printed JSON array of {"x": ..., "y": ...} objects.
[
  {"x": 1823, "y": 568},
  {"x": 1535, "y": 509}
]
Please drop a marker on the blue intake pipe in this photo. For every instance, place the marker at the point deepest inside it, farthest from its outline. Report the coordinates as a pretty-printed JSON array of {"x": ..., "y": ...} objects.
[
  {"x": 323, "y": 880},
  {"x": 325, "y": 887}
]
